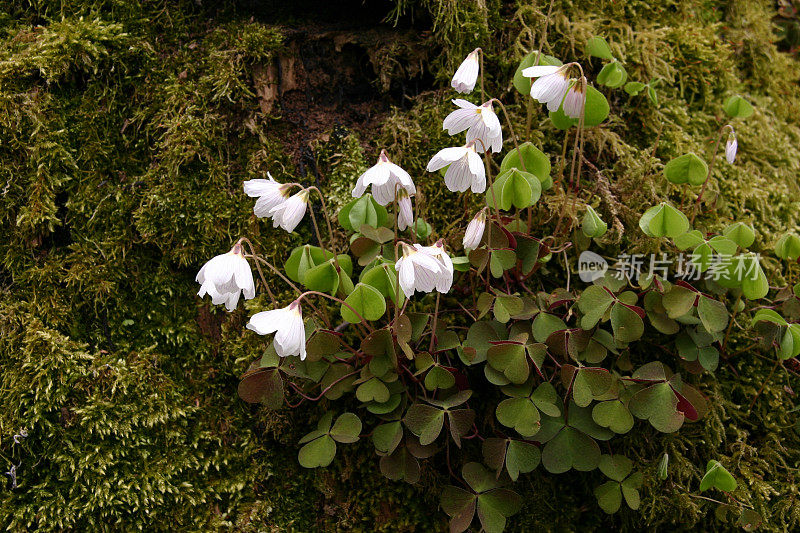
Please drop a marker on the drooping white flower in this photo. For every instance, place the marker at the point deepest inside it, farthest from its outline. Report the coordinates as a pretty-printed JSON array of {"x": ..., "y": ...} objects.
[
  {"x": 474, "y": 232},
  {"x": 551, "y": 85},
  {"x": 288, "y": 214},
  {"x": 444, "y": 280},
  {"x": 269, "y": 192},
  {"x": 731, "y": 146},
  {"x": 384, "y": 178},
  {"x": 405, "y": 212},
  {"x": 467, "y": 73},
  {"x": 574, "y": 100},
  {"x": 465, "y": 169},
  {"x": 287, "y": 324},
  {"x": 418, "y": 270},
  {"x": 225, "y": 277},
  {"x": 480, "y": 122}
]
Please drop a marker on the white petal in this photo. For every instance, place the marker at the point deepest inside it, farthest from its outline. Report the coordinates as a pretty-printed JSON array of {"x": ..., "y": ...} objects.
[
  {"x": 458, "y": 176},
  {"x": 446, "y": 156},
  {"x": 539, "y": 70},
  {"x": 459, "y": 120}
]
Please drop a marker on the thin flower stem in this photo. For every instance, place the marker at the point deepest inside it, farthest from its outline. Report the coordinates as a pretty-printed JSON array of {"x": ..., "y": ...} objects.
[
  {"x": 513, "y": 134},
  {"x": 435, "y": 320},
  {"x": 342, "y": 302},
  {"x": 328, "y": 222},
  {"x": 710, "y": 170},
  {"x": 325, "y": 390},
  {"x": 258, "y": 259},
  {"x": 258, "y": 267}
]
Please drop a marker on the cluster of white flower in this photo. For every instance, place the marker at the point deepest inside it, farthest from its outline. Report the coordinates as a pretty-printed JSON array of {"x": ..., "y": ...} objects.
[
  {"x": 421, "y": 268},
  {"x": 274, "y": 202},
  {"x": 553, "y": 87}
]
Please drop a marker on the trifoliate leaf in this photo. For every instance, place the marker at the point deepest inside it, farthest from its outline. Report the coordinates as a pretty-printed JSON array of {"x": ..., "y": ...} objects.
[
  {"x": 686, "y": 168},
  {"x": 738, "y": 107}
]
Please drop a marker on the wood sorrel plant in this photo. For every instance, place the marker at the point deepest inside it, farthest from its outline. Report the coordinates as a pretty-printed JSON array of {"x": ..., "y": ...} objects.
[{"x": 411, "y": 338}]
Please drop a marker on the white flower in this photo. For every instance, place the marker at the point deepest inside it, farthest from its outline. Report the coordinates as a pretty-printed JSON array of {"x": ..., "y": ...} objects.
[
  {"x": 287, "y": 324},
  {"x": 445, "y": 278},
  {"x": 466, "y": 169},
  {"x": 405, "y": 213},
  {"x": 384, "y": 178},
  {"x": 467, "y": 74},
  {"x": 551, "y": 85},
  {"x": 573, "y": 101},
  {"x": 480, "y": 122},
  {"x": 225, "y": 276},
  {"x": 474, "y": 232},
  {"x": 418, "y": 270},
  {"x": 730, "y": 148},
  {"x": 288, "y": 214},
  {"x": 269, "y": 192}
]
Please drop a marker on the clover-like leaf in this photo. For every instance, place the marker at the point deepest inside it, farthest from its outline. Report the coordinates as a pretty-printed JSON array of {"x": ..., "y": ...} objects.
[
  {"x": 598, "y": 47},
  {"x": 788, "y": 247},
  {"x": 570, "y": 448},
  {"x": 738, "y": 107},
  {"x": 613, "y": 414},
  {"x": 717, "y": 477},
  {"x": 626, "y": 323},
  {"x": 612, "y": 75},
  {"x": 262, "y": 385},
  {"x": 686, "y": 168},
  {"x": 663, "y": 220},
  {"x": 367, "y": 302},
  {"x": 400, "y": 465},
  {"x": 424, "y": 421},
  {"x": 742, "y": 234},
  {"x": 533, "y": 161},
  {"x": 592, "y": 225},
  {"x": 386, "y": 437}
]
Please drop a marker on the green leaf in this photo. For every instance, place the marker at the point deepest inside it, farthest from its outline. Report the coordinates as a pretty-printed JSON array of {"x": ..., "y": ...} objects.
[
  {"x": 614, "y": 415},
  {"x": 634, "y": 87},
  {"x": 593, "y": 303},
  {"x": 592, "y": 225},
  {"x": 598, "y": 47},
  {"x": 545, "y": 325},
  {"x": 686, "y": 168},
  {"x": 788, "y": 247},
  {"x": 612, "y": 75},
  {"x": 663, "y": 220},
  {"x": 627, "y": 325},
  {"x": 519, "y": 414},
  {"x": 651, "y": 94},
  {"x": 401, "y": 465},
  {"x": 262, "y": 385},
  {"x": 658, "y": 404},
  {"x": 717, "y": 477},
  {"x": 742, "y": 234},
  {"x": 439, "y": 378},
  {"x": 361, "y": 211},
  {"x": 754, "y": 281},
  {"x": 495, "y": 506},
  {"x": 534, "y": 162},
  {"x": 663, "y": 467},
  {"x": 678, "y": 301},
  {"x": 424, "y": 421},
  {"x": 738, "y": 107},
  {"x": 616, "y": 467},
  {"x": 595, "y": 111},
  {"x": 373, "y": 390},
  {"x": 322, "y": 278},
  {"x": 609, "y": 496},
  {"x": 713, "y": 314},
  {"x": 570, "y": 448},
  {"x": 500, "y": 261},
  {"x": 506, "y": 306},
  {"x": 383, "y": 277},
  {"x": 521, "y": 458},
  {"x": 367, "y": 301},
  {"x": 386, "y": 437},
  {"x": 346, "y": 428},
  {"x": 511, "y": 360},
  {"x": 317, "y": 453}
]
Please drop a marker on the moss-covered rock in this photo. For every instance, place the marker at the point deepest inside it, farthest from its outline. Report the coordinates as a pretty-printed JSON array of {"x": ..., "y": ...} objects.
[{"x": 126, "y": 130}]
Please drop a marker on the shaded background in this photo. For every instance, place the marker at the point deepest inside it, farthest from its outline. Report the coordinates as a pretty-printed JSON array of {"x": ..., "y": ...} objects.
[{"x": 126, "y": 130}]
